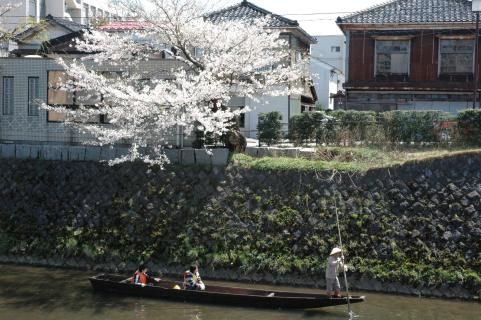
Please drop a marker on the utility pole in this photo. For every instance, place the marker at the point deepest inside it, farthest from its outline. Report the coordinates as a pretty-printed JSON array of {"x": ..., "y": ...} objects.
[{"x": 476, "y": 7}]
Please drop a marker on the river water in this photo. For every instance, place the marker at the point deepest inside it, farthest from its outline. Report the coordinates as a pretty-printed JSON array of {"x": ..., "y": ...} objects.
[{"x": 55, "y": 294}]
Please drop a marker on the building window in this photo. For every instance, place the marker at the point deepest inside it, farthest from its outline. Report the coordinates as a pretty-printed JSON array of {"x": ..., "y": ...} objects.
[
  {"x": 335, "y": 49},
  {"x": 392, "y": 57},
  {"x": 241, "y": 120},
  {"x": 33, "y": 95},
  {"x": 85, "y": 14},
  {"x": 456, "y": 56},
  {"x": 7, "y": 96},
  {"x": 58, "y": 96},
  {"x": 32, "y": 8}
]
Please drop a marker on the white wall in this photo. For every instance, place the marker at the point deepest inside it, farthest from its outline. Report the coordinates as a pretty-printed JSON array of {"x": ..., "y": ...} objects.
[
  {"x": 325, "y": 83},
  {"x": 264, "y": 104},
  {"x": 322, "y": 50},
  {"x": 16, "y": 16},
  {"x": 56, "y": 8}
]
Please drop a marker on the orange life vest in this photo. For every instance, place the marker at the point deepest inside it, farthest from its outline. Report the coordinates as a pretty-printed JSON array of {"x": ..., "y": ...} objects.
[{"x": 139, "y": 278}]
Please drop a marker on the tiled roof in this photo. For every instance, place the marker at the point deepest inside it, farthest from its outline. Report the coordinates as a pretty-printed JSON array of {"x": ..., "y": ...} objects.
[
  {"x": 69, "y": 25},
  {"x": 247, "y": 10},
  {"x": 413, "y": 12},
  {"x": 72, "y": 26}
]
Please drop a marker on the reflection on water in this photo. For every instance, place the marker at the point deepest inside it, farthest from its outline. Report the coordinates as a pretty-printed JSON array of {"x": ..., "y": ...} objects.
[{"x": 50, "y": 294}]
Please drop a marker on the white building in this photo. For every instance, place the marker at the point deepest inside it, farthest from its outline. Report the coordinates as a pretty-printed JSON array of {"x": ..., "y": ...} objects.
[
  {"x": 331, "y": 50},
  {"x": 80, "y": 11},
  {"x": 328, "y": 81},
  {"x": 299, "y": 42},
  {"x": 327, "y": 67}
]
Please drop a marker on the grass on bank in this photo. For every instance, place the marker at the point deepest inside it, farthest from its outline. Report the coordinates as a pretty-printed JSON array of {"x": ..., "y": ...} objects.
[{"x": 350, "y": 159}]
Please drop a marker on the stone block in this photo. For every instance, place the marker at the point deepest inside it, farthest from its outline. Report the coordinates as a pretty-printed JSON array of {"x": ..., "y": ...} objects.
[
  {"x": 22, "y": 151},
  {"x": 252, "y": 151},
  {"x": 64, "y": 153},
  {"x": 188, "y": 157},
  {"x": 220, "y": 157},
  {"x": 291, "y": 152},
  {"x": 76, "y": 153},
  {"x": 173, "y": 155},
  {"x": 264, "y": 152},
  {"x": 107, "y": 153},
  {"x": 202, "y": 157},
  {"x": 49, "y": 152},
  {"x": 92, "y": 153},
  {"x": 121, "y": 151},
  {"x": 35, "y": 151},
  {"x": 7, "y": 150}
]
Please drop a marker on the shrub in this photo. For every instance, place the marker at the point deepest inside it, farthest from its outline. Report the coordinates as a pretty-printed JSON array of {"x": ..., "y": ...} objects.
[
  {"x": 469, "y": 122},
  {"x": 412, "y": 126},
  {"x": 301, "y": 128},
  {"x": 269, "y": 127},
  {"x": 312, "y": 125},
  {"x": 355, "y": 126}
]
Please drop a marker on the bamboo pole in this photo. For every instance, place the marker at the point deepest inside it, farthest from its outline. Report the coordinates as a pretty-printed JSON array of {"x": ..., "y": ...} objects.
[{"x": 352, "y": 315}]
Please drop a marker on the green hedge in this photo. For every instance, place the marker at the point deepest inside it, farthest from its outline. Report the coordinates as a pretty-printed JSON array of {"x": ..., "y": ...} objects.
[
  {"x": 352, "y": 127},
  {"x": 412, "y": 126},
  {"x": 469, "y": 122},
  {"x": 269, "y": 128}
]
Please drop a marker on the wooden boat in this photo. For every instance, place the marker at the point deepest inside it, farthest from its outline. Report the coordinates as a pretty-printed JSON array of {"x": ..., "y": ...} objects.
[{"x": 219, "y": 294}]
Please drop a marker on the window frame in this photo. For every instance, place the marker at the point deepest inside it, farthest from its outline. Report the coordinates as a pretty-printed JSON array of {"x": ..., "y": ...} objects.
[
  {"x": 408, "y": 74},
  {"x": 4, "y": 99},
  {"x": 31, "y": 106},
  {"x": 440, "y": 55},
  {"x": 102, "y": 119}
]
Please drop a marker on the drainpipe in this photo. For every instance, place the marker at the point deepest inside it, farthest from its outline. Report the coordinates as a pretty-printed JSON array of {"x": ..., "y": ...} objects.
[{"x": 476, "y": 58}]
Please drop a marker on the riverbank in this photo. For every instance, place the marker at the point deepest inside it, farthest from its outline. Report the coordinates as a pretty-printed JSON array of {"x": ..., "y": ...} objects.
[{"x": 412, "y": 228}]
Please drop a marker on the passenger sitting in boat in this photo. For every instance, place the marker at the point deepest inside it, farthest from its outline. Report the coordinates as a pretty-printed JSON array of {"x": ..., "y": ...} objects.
[
  {"x": 335, "y": 264},
  {"x": 141, "y": 277},
  {"x": 192, "y": 280}
]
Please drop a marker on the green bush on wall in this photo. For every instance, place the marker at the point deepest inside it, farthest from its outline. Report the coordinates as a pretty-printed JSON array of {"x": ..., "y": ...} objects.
[
  {"x": 469, "y": 122},
  {"x": 351, "y": 127},
  {"x": 412, "y": 126}
]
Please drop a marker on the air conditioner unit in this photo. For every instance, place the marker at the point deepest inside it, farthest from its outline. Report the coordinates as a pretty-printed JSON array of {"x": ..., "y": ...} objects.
[{"x": 476, "y": 5}]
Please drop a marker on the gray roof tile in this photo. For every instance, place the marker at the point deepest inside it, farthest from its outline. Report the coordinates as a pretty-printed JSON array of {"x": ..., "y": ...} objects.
[
  {"x": 413, "y": 12},
  {"x": 247, "y": 10}
]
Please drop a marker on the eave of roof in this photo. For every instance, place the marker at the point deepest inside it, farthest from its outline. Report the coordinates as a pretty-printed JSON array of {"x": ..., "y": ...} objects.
[
  {"x": 412, "y": 12},
  {"x": 248, "y": 10},
  {"x": 67, "y": 24}
]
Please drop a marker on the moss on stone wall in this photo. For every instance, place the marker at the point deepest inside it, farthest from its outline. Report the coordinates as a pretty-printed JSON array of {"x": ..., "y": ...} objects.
[{"x": 417, "y": 224}]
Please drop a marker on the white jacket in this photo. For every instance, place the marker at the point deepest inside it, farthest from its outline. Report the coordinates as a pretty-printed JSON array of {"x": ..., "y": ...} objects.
[{"x": 334, "y": 266}]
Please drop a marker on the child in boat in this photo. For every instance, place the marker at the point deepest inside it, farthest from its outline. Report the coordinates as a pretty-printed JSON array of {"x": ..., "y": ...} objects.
[
  {"x": 192, "y": 280},
  {"x": 335, "y": 264},
  {"x": 141, "y": 277}
]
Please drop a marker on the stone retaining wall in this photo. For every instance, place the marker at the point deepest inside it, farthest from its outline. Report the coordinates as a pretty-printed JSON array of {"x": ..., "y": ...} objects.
[
  {"x": 217, "y": 157},
  {"x": 418, "y": 224}
]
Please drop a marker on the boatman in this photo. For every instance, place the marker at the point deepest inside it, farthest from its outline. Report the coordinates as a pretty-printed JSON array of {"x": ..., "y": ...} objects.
[
  {"x": 192, "y": 280},
  {"x": 335, "y": 264}
]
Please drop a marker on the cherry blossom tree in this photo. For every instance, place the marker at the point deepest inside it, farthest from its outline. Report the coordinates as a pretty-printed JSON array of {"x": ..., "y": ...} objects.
[{"x": 211, "y": 63}]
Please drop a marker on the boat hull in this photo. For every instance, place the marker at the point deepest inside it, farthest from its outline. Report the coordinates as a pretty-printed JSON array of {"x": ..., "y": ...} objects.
[{"x": 219, "y": 295}]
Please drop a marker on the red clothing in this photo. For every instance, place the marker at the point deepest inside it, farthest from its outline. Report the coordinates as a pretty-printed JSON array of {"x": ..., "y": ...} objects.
[{"x": 139, "y": 278}]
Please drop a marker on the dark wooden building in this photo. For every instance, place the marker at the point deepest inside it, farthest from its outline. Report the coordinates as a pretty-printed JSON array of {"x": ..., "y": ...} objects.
[{"x": 411, "y": 55}]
